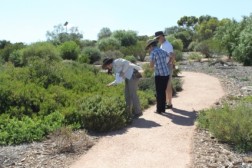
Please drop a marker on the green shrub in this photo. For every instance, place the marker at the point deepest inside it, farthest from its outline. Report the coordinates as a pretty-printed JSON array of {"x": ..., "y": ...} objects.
[
  {"x": 31, "y": 95},
  {"x": 203, "y": 47},
  {"x": 40, "y": 50},
  {"x": 230, "y": 124},
  {"x": 192, "y": 46},
  {"x": 148, "y": 71},
  {"x": 195, "y": 56},
  {"x": 92, "y": 53},
  {"x": 178, "y": 55},
  {"x": 147, "y": 84},
  {"x": 108, "y": 44},
  {"x": 83, "y": 58},
  {"x": 15, "y": 131},
  {"x": 101, "y": 114},
  {"x": 69, "y": 50},
  {"x": 177, "y": 84},
  {"x": 112, "y": 54},
  {"x": 131, "y": 58},
  {"x": 16, "y": 58},
  {"x": 176, "y": 43}
]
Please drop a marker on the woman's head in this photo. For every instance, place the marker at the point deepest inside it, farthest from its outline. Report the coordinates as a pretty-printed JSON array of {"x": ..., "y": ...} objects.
[{"x": 107, "y": 63}]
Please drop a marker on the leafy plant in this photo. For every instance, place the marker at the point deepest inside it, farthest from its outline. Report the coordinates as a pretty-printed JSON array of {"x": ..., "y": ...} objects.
[{"x": 230, "y": 124}]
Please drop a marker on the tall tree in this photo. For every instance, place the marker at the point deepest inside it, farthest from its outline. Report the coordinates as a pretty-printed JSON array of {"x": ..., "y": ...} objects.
[
  {"x": 187, "y": 21},
  {"x": 228, "y": 34},
  {"x": 60, "y": 35},
  {"x": 127, "y": 38},
  {"x": 104, "y": 32}
]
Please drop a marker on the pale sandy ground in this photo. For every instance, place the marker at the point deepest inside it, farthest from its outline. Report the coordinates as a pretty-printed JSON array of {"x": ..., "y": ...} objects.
[{"x": 157, "y": 141}]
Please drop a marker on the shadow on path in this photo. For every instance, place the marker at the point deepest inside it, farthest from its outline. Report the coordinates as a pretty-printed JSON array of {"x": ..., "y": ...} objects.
[
  {"x": 138, "y": 123},
  {"x": 143, "y": 123},
  {"x": 185, "y": 118}
]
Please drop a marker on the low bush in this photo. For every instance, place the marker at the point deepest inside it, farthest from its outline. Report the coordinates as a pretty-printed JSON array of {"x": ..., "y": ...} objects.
[
  {"x": 69, "y": 50},
  {"x": 93, "y": 54},
  {"x": 131, "y": 58},
  {"x": 32, "y": 96},
  {"x": 26, "y": 129},
  {"x": 231, "y": 124},
  {"x": 99, "y": 113},
  {"x": 195, "y": 56},
  {"x": 40, "y": 50}
]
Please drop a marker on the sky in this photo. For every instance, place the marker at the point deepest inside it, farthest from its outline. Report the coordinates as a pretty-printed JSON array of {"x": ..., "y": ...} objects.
[{"x": 28, "y": 20}]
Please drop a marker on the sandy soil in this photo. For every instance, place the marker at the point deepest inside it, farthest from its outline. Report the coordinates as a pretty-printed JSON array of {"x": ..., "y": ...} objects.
[{"x": 154, "y": 140}]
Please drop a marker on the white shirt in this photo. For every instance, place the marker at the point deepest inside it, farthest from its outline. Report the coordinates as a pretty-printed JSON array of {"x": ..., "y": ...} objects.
[
  {"x": 125, "y": 66},
  {"x": 166, "y": 46}
]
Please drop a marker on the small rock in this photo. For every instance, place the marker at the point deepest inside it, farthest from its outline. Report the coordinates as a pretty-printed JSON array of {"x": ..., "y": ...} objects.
[{"x": 247, "y": 159}]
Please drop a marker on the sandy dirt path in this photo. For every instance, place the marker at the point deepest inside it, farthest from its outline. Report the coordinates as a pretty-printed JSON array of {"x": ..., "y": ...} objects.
[{"x": 154, "y": 140}]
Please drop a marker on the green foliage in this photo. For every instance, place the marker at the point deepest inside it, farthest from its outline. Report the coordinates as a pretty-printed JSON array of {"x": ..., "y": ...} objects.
[
  {"x": 101, "y": 114},
  {"x": 186, "y": 37},
  {"x": 230, "y": 124},
  {"x": 8, "y": 48},
  {"x": 137, "y": 50},
  {"x": 26, "y": 129},
  {"x": 60, "y": 35},
  {"x": 112, "y": 54},
  {"x": 178, "y": 55},
  {"x": 41, "y": 97},
  {"x": 195, "y": 56},
  {"x": 69, "y": 50},
  {"x": 227, "y": 34},
  {"x": 206, "y": 27},
  {"x": 108, "y": 44},
  {"x": 187, "y": 21},
  {"x": 40, "y": 50},
  {"x": 176, "y": 43},
  {"x": 104, "y": 33},
  {"x": 87, "y": 43},
  {"x": 131, "y": 58},
  {"x": 148, "y": 71},
  {"x": 126, "y": 38},
  {"x": 146, "y": 84},
  {"x": 177, "y": 84},
  {"x": 243, "y": 51},
  {"x": 93, "y": 54},
  {"x": 83, "y": 58},
  {"x": 203, "y": 48},
  {"x": 192, "y": 46}
]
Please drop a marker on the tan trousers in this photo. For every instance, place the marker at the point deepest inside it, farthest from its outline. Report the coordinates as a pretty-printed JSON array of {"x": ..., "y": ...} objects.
[{"x": 131, "y": 98}]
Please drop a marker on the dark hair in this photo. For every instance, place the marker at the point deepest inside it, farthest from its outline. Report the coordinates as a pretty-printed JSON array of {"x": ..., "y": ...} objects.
[
  {"x": 110, "y": 72},
  {"x": 106, "y": 62},
  {"x": 154, "y": 44}
]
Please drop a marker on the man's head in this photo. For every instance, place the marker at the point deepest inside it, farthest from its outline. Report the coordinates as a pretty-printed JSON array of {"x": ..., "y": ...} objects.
[
  {"x": 160, "y": 37},
  {"x": 107, "y": 63},
  {"x": 150, "y": 44}
]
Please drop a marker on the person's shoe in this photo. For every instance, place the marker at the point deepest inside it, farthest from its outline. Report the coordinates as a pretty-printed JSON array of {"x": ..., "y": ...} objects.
[
  {"x": 138, "y": 115},
  {"x": 158, "y": 112},
  {"x": 167, "y": 106}
]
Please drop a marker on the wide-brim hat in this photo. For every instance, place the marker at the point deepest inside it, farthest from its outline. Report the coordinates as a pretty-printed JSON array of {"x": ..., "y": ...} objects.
[
  {"x": 149, "y": 42},
  {"x": 106, "y": 62},
  {"x": 158, "y": 34}
]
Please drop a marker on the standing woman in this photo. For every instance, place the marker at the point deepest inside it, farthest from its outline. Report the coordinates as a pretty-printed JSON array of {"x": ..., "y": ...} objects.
[{"x": 129, "y": 72}]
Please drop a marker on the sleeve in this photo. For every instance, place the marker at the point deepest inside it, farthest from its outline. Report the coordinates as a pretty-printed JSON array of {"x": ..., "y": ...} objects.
[{"x": 152, "y": 58}]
